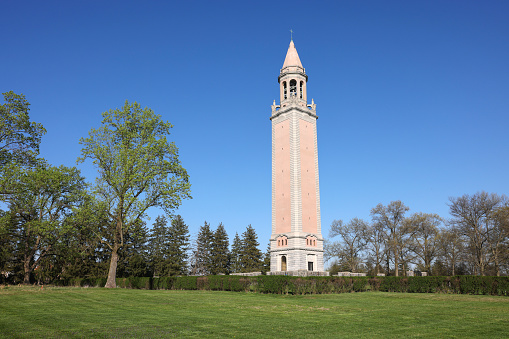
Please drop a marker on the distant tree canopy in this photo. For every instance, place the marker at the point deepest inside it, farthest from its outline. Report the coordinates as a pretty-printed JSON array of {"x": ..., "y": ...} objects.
[{"x": 474, "y": 241}]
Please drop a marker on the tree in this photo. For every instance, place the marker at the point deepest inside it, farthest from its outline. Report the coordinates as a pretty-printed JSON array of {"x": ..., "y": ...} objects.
[
  {"x": 474, "y": 217},
  {"x": 133, "y": 256},
  {"x": 236, "y": 255},
  {"x": 158, "y": 247},
  {"x": 202, "y": 256},
  {"x": 19, "y": 138},
  {"x": 351, "y": 243},
  {"x": 499, "y": 237},
  {"x": 178, "y": 246},
  {"x": 450, "y": 248},
  {"x": 251, "y": 255},
  {"x": 266, "y": 260},
  {"x": 138, "y": 169},
  {"x": 375, "y": 241},
  {"x": 424, "y": 229},
  {"x": 220, "y": 255},
  {"x": 391, "y": 219},
  {"x": 40, "y": 200}
]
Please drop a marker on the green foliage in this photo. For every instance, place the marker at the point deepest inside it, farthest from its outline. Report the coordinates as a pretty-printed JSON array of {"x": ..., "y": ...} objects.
[
  {"x": 40, "y": 201},
  {"x": 138, "y": 169},
  {"x": 178, "y": 246},
  {"x": 250, "y": 254},
  {"x": 275, "y": 284},
  {"x": 19, "y": 138},
  {"x": 133, "y": 257},
  {"x": 186, "y": 283},
  {"x": 202, "y": 256},
  {"x": 220, "y": 254},
  {"x": 279, "y": 284},
  {"x": 235, "y": 255}
]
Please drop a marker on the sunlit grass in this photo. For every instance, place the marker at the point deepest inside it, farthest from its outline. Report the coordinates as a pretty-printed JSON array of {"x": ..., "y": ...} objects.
[{"x": 96, "y": 312}]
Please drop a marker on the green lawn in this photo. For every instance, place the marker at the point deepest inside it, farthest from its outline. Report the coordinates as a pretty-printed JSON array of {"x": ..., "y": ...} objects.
[{"x": 28, "y": 312}]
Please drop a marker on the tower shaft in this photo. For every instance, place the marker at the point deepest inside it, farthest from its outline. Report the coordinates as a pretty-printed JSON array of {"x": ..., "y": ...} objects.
[{"x": 296, "y": 240}]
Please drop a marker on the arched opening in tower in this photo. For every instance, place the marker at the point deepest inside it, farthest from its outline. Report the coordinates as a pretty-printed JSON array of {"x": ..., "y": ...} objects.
[{"x": 293, "y": 87}]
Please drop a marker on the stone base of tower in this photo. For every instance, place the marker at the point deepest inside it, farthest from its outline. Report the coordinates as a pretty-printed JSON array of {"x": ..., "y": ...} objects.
[
  {"x": 301, "y": 273},
  {"x": 296, "y": 257}
]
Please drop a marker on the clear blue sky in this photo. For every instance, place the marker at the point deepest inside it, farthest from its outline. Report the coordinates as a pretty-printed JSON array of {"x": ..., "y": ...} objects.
[{"x": 412, "y": 96}]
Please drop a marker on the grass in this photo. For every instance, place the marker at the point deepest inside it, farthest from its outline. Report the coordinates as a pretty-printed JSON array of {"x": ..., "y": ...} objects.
[{"x": 29, "y": 312}]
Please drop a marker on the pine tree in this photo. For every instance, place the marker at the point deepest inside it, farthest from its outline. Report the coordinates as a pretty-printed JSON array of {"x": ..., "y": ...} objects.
[
  {"x": 158, "y": 241},
  {"x": 202, "y": 252},
  {"x": 178, "y": 246},
  {"x": 266, "y": 260},
  {"x": 220, "y": 254},
  {"x": 235, "y": 256},
  {"x": 251, "y": 255},
  {"x": 133, "y": 257}
]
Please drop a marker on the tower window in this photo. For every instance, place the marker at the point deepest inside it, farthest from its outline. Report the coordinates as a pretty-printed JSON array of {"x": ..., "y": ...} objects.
[
  {"x": 293, "y": 86},
  {"x": 301, "y": 87},
  {"x": 284, "y": 89}
]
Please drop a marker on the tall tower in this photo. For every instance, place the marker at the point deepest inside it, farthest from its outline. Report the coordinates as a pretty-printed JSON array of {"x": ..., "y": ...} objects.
[{"x": 296, "y": 242}]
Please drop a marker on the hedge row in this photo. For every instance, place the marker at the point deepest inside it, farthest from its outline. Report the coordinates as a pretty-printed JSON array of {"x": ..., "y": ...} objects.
[{"x": 312, "y": 285}]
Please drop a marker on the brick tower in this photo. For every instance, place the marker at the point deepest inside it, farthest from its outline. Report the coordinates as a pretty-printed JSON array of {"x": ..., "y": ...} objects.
[{"x": 296, "y": 243}]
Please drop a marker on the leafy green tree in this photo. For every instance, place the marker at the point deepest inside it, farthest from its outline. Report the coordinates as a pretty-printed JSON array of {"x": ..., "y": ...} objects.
[
  {"x": 220, "y": 254},
  {"x": 235, "y": 255},
  {"x": 202, "y": 256},
  {"x": 138, "y": 169},
  {"x": 8, "y": 236},
  {"x": 251, "y": 255},
  {"x": 19, "y": 138},
  {"x": 82, "y": 253},
  {"x": 178, "y": 246},
  {"x": 40, "y": 200}
]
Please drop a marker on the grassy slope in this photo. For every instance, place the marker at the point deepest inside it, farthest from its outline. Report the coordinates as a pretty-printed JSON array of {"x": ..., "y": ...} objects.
[{"x": 96, "y": 312}]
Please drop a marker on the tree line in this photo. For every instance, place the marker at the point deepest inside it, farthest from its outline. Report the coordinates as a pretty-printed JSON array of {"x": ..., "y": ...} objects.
[
  {"x": 53, "y": 224},
  {"x": 473, "y": 241}
]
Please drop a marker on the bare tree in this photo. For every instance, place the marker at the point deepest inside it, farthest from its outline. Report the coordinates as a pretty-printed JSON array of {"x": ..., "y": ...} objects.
[
  {"x": 451, "y": 247},
  {"x": 499, "y": 237},
  {"x": 473, "y": 215},
  {"x": 351, "y": 243},
  {"x": 424, "y": 240},
  {"x": 391, "y": 219},
  {"x": 375, "y": 239}
]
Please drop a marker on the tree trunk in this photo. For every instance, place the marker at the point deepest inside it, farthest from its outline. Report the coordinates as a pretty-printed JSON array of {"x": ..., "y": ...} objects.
[
  {"x": 26, "y": 270},
  {"x": 112, "y": 273}
]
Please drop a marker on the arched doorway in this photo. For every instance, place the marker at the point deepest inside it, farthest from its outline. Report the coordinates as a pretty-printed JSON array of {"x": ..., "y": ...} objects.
[{"x": 283, "y": 263}]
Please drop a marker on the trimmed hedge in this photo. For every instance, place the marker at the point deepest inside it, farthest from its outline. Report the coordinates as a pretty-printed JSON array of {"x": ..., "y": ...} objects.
[{"x": 279, "y": 284}]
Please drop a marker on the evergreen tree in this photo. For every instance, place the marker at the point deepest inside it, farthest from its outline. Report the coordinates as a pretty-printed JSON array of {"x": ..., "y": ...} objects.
[
  {"x": 235, "y": 255},
  {"x": 251, "y": 256},
  {"x": 133, "y": 257},
  {"x": 266, "y": 260},
  {"x": 220, "y": 256},
  {"x": 178, "y": 245},
  {"x": 202, "y": 258},
  {"x": 158, "y": 240}
]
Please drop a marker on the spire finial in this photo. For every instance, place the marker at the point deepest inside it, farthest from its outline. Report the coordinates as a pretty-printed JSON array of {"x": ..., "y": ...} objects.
[{"x": 291, "y": 34}]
